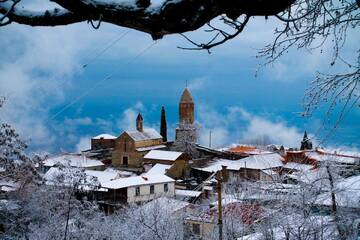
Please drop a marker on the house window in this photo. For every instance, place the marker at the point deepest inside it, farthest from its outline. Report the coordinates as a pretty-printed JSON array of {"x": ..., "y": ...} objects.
[
  {"x": 166, "y": 187},
  {"x": 137, "y": 191},
  {"x": 125, "y": 142},
  {"x": 152, "y": 189},
  {"x": 196, "y": 228}
]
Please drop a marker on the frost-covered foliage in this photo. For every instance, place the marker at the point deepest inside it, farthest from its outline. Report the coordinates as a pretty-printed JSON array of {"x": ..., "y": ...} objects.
[
  {"x": 310, "y": 209},
  {"x": 14, "y": 164}
]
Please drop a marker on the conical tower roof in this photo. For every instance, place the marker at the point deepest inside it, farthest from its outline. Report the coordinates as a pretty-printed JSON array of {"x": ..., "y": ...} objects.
[
  {"x": 186, "y": 97},
  {"x": 139, "y": 117}
]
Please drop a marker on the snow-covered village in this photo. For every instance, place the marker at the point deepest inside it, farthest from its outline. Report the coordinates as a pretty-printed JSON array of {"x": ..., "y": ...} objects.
[{"x": 179, "y": 120}]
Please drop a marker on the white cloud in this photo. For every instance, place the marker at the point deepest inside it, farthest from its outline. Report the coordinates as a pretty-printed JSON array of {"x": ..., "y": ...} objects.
[
  {"x": 128, "y": 119},
  {"x": 83, "y": 144},
  {"x": 197, "y": 83},
  {"x": 78, "y": 121},
  {"x": 237, "y": 125},
  {"x": 278, "y": 132},
  {"x": 219, "y": 137},
  {"x": 37, "y": 67}
]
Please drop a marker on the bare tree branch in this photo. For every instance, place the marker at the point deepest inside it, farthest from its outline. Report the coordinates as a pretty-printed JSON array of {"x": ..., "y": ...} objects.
[{"x": 158, "y": 20}]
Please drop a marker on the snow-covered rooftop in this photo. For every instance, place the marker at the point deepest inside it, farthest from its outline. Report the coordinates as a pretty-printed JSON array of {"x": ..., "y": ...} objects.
[
  {"x": 163, "y": 155},
  {"x": 147, "y": 134},
  {"x": 298, "y": 166},
  {"x": 104, "y": 136},
  {"x": 217, "y": 165},
  {"x": 137, "y": 181},
  {"x": 321, "y": 157},
  {"x": 73, "y": 160},
  {"x": 261, "y": 161},
  {"x": 73, "y": 176},
  {"x": 158, "y": 169},
  {"x": 142, "y": 149},
  {"x": 187, "y": 193},
  {"x": 103, "y": 176}
]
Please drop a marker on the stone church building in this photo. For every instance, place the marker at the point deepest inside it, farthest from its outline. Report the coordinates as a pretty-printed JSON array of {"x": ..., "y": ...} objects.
[{"x": 131, "y": 146}]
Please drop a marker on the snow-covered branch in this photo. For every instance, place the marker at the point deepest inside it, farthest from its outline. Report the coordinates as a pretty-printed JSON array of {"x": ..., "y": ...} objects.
[{"x": 157, "y": 18}]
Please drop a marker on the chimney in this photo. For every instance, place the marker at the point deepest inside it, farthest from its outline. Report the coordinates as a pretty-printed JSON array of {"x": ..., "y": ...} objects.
[{"x": 139, "y": 123}]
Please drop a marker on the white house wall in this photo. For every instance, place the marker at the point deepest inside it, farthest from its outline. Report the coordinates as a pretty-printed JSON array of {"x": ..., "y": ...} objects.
[{"x": 145, "y": 192}]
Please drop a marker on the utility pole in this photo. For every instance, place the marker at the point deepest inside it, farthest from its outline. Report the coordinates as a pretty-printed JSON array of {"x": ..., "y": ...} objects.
[
  {"x": 220, "y": 177},
  {"x": 210, "y": 139}
]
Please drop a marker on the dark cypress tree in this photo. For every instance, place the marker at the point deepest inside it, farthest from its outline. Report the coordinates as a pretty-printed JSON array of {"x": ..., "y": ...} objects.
[{"x": 163, "y": 127}]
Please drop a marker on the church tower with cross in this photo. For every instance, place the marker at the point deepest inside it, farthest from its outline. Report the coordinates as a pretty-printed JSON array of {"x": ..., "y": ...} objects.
[{"x": 186, "y": 131}]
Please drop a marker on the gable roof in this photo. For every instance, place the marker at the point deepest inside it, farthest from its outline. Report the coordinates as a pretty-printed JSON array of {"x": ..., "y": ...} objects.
[
  {"x": 163, "y": 155},
  {"x": 147, "y": 134}
]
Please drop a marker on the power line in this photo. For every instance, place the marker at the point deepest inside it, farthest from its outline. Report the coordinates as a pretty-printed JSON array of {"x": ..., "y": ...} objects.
[
  {"x": 100, "y": 82},
  {"x": 105, "y": 49}
]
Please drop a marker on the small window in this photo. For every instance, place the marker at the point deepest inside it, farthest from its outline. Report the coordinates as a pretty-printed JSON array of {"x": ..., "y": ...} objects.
[
  {"x": 166, "y": 187},
  {"x": 152, "y": 189},
  {"x": 137, "y": 191},
  {"x": 196, "y": 228}
]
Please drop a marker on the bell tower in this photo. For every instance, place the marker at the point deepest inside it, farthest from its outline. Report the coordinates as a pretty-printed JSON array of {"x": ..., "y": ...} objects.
[
  {"x": 186, "y": 108},
  {"x": 186, "y": 130},
  {"x": 139, "y": 123}
]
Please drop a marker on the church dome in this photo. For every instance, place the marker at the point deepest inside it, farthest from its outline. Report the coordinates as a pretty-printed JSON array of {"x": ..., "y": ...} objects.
[{"x": 186, "y": 97}]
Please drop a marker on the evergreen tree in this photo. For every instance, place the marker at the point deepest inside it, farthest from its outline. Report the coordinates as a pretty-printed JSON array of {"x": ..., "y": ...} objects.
[{"x": 163, "y": 127}]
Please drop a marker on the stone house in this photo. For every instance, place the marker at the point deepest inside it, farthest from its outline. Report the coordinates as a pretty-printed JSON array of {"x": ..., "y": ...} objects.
[
  {"x": 131, "y": 146},
  {"x": 178, "y": 161},
  {"x": 204, "y": 225},
  {"x": 102, "y": 141},
  {"x": 262, "y": 167}
]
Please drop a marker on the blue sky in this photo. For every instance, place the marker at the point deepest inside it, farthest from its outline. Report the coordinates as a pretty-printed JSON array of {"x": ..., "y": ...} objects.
[{"x": 41, "y": 72}]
